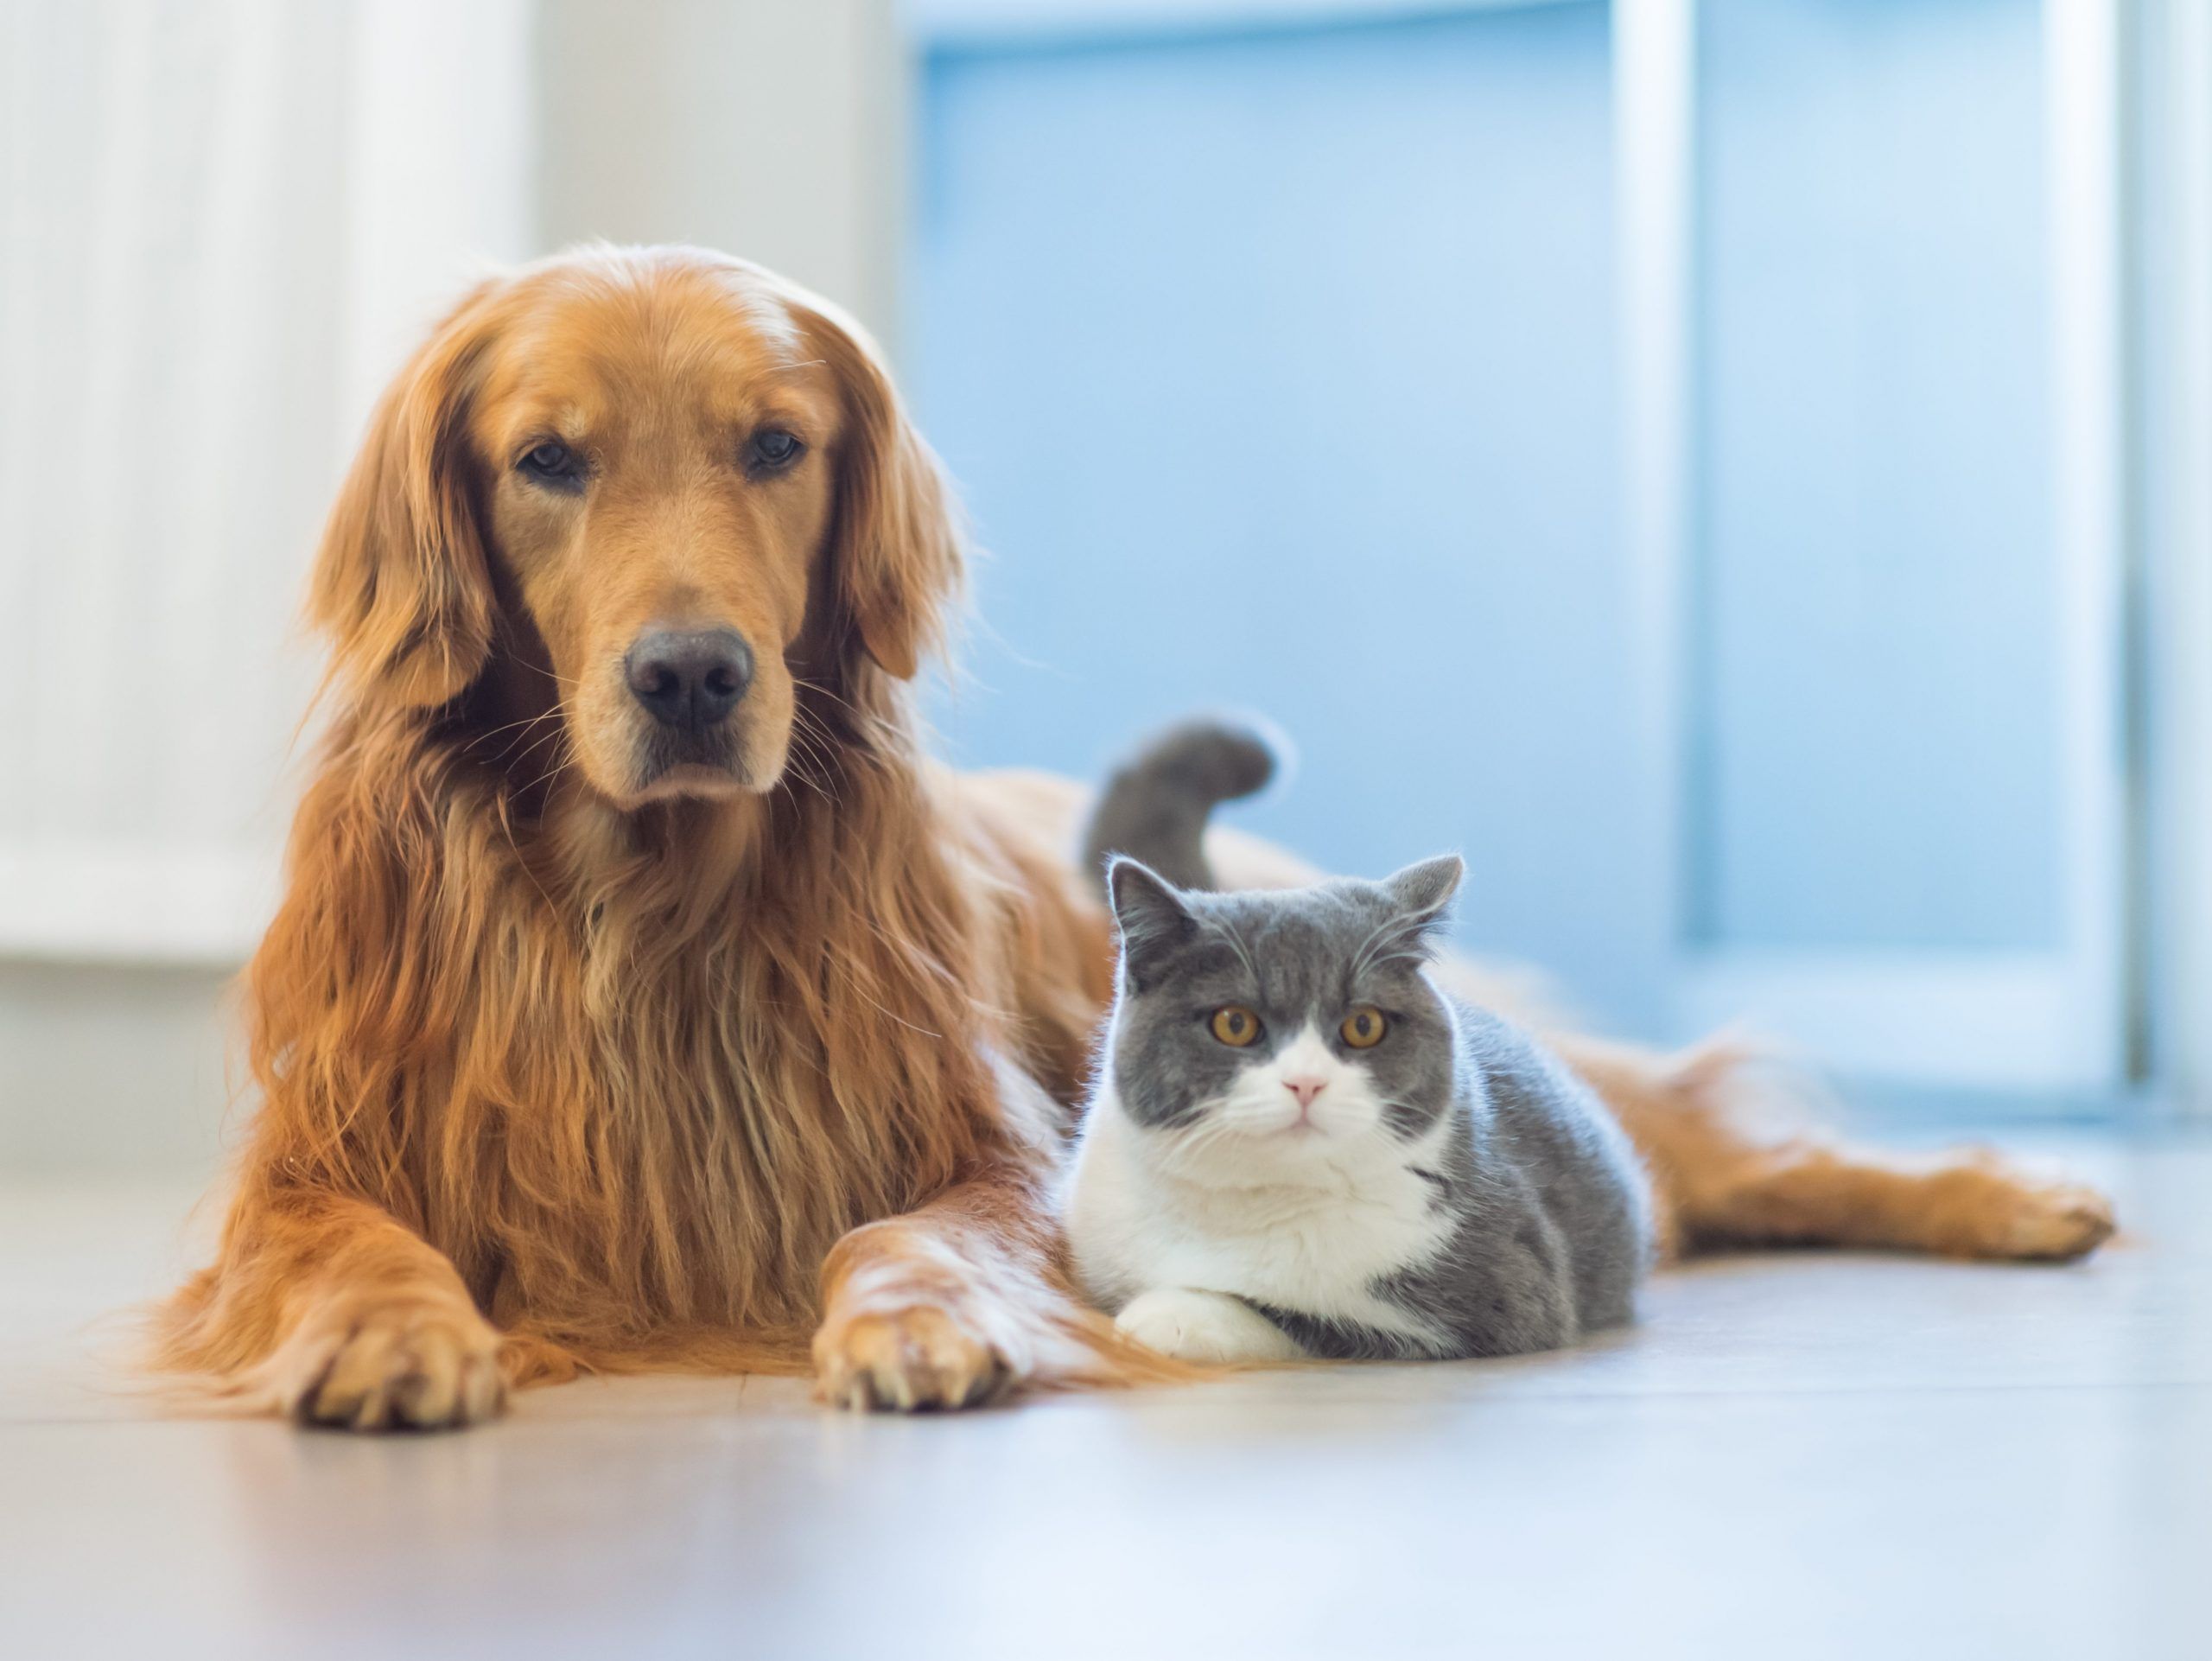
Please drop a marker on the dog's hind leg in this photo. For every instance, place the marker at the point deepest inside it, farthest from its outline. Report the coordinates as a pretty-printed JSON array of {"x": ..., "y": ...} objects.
[{"x": 1734, "y": 1165}]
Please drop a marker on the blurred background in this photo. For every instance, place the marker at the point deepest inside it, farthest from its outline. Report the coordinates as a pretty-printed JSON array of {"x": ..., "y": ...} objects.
[{"x": 1739, "y": 469}]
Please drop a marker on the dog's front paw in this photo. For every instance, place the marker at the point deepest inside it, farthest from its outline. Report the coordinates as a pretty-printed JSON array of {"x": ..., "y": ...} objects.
[
  {"x": 922, "y": 1356},
  {"x": 404, "y": 1368},
  {"x": 1203, "y": 1326}
]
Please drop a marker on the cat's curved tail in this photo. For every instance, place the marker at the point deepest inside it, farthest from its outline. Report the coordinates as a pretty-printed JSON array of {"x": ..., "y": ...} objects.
[{"x": 1156, "y": 805}]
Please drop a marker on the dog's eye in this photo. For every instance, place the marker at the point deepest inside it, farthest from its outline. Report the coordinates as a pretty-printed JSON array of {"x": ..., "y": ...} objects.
[
  {"x": 773, "y": 450},
  {"x": 551, "y": 462},
  {"x": 1235, "y": 1025},
  {"x": 1363, "y": 1028}
]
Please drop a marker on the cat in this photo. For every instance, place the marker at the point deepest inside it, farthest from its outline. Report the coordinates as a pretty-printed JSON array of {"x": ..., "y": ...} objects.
[{"x": 1298, "y": 1146}]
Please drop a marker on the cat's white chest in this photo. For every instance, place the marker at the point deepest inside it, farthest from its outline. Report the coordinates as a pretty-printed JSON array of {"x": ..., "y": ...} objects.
[{"x": 1135, "y": 1223}]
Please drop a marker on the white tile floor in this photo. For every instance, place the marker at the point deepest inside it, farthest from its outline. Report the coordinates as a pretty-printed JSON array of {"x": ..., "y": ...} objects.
[{"x": 1791, "y": 1458}]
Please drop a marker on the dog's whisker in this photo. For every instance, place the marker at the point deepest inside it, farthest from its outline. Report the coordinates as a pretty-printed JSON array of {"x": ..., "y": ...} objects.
[
  {"x": 817, "y": 686},
  {"x": 476, "y": 740}
]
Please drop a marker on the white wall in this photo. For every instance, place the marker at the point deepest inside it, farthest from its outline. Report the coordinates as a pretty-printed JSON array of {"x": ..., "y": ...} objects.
[
  {"x": 224, "y": 225},
  {"x": 114, "y": 1067},
  {"x": 767, "y": 128}
]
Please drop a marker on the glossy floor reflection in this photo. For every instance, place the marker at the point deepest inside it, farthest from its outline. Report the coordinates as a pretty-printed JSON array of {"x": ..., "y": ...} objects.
[{"x": 1790, "y": 1457}]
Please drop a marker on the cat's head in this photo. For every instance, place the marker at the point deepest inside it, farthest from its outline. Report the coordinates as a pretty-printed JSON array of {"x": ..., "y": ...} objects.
[{"x": 1282, "y": 1030}]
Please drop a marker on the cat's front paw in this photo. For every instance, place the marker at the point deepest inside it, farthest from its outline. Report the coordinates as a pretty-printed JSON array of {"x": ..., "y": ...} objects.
[{"x": 1206, "y": 1327}]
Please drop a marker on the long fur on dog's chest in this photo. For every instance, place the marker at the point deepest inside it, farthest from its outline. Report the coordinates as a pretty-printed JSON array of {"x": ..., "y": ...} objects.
[{"x": 630, "y": 1072}]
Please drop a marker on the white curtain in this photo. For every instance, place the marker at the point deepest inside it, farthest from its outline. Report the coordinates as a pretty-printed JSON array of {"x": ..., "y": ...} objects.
[{"x": 220, "y": 222}]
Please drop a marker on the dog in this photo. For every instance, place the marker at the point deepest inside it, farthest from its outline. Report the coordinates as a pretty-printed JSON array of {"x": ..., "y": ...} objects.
[{"x": 641, "y": 997}]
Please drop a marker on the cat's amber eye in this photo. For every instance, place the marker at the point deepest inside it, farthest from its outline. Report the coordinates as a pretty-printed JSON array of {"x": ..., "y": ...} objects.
[
  {"x": 1235, "y": 1025},
  {"x": 1363, "y": 1028}
]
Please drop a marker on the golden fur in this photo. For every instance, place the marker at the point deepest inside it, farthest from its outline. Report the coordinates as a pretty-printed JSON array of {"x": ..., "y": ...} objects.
[{"x": 566, "y": 1062}]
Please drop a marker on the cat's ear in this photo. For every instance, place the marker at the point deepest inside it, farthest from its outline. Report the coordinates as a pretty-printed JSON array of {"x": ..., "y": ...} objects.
[
  {"x": 1152, "y": 916},
  {"x": 1421, "y": 896}
]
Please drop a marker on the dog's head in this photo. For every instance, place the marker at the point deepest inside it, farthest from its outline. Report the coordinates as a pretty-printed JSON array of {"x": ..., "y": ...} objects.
[{"x": 681, "y": 482}]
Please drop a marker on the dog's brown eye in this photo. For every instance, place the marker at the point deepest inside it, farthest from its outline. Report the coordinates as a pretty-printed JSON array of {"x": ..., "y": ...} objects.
[
  {"x": 553, "y": 463},
  {"x": 1363, "y": 1028},
  {"x": 773, "y": 449},
  {"x": 1235, "y": 1025}
]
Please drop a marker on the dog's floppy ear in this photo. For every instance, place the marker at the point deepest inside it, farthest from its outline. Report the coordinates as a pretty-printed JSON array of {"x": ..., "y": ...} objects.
[
  {"x": 896, "y": 543},
  {"x": 402, "y": 586}
]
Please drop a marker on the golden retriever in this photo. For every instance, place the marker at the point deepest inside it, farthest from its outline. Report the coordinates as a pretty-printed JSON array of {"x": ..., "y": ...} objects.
[{"x": 641, "y": 997}]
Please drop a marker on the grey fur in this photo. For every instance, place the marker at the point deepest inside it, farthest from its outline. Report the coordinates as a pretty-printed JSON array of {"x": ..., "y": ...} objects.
[
  {"x": 1550, "y": 1212},
  {"x": 1155, "y": 803}
]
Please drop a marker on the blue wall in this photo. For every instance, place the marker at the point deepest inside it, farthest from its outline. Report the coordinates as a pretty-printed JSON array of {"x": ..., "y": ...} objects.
[
  {"x": 1279, "y": 372},
  {"x": 1878, "y": 701}
]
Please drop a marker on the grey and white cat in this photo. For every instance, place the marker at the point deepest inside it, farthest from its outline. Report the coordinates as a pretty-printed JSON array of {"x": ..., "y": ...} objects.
[{"x": 1298, "y": 1145}]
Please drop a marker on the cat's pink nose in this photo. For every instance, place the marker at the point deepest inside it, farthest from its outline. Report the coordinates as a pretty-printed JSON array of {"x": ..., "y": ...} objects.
[{"x": 1306, "y": 1089}]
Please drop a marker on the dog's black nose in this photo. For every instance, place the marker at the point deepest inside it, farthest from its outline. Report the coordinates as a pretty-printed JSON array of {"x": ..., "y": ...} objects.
[{"x": 689, "y": 678}]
